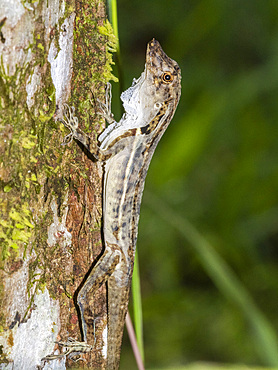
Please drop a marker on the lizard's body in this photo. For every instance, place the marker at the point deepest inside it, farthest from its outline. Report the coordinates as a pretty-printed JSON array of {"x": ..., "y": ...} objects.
[{"x": 126, "y": 149}]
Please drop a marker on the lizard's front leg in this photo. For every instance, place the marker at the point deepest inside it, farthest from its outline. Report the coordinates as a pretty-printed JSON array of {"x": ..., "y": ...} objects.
[{"x": 71, "y": 122}]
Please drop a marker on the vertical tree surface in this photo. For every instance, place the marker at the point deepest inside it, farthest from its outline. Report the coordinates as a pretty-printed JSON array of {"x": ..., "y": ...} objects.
[{"x": 52, "y": 52}]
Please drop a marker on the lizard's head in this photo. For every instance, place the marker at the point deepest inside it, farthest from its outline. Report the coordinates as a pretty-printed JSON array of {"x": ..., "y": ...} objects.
[
  {"x": 159, "y": 84},
  {"x": 163, "y": 74}
]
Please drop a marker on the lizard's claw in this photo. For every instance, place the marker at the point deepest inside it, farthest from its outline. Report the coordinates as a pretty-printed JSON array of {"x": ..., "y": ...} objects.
[
  {"x": 68, "y": 139},
  {"x": 73, "y": 348},
  {"x": 105, "y": 108},
  {"x": 70, "y": 121}
]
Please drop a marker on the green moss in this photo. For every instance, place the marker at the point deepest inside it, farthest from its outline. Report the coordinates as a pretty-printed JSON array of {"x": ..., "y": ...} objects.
[
  {"x": 92, "y": 54},
  {"x": 111, "y": 47},
  {"x": 22, "y": 153},
  {"x": 16, "y": 228}
]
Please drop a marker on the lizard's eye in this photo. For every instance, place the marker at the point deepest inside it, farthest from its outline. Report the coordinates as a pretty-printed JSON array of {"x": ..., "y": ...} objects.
[{"x": 167, "y": 77}]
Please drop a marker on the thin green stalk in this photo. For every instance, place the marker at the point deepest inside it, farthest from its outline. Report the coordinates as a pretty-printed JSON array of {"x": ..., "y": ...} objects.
[
  {"x": 224, "y": 278},
  {"x": 113, "y": 18},
  {"x": 137, "y": 306}
]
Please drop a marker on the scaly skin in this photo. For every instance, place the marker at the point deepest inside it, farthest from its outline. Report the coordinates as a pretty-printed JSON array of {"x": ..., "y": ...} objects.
[{"x": 126, "y": 147}]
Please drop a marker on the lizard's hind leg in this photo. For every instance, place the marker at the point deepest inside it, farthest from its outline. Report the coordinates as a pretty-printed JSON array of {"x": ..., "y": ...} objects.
[{"x": 99, "y": 275}]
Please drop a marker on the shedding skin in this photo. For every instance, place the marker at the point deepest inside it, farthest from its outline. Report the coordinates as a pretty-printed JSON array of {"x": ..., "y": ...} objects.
[{"x": 126, "y": 148}]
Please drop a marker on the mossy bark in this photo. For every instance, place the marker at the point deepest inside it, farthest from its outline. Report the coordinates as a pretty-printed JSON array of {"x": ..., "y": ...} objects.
[{"x": 52, "y": 52}]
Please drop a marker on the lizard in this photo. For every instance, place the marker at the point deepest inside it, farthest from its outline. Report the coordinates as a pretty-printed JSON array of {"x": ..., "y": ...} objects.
[{"x": 125, "y": 148}]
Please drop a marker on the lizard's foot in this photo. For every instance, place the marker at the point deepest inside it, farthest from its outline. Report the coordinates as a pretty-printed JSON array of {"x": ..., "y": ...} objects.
[
  {"x": 71, "y": 122},
  {"x": 105, "y": 108},
  {"x": 73, "y": 348}
]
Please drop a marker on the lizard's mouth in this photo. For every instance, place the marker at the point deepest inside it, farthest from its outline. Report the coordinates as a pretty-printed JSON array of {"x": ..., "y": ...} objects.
[{"x": 155, "y": 56}]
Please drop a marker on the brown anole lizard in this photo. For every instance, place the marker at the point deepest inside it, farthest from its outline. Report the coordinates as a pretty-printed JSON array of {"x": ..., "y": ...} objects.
[{"x": 126, "y": 148}]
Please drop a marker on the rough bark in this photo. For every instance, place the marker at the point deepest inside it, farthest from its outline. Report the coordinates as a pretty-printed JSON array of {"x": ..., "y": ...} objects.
[{"x": 52, "y": 52}]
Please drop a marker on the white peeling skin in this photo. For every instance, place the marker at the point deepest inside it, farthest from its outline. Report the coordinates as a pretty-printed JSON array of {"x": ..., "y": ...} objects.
[{"x": 61, "y": 62}]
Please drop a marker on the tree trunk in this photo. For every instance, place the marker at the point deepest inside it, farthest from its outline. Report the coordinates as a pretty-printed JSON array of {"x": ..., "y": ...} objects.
[{"x": 52, "y": 52}]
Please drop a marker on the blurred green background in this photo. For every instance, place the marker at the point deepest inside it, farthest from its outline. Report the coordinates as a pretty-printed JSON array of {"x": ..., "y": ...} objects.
[{"x": 208, "y": 232}]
